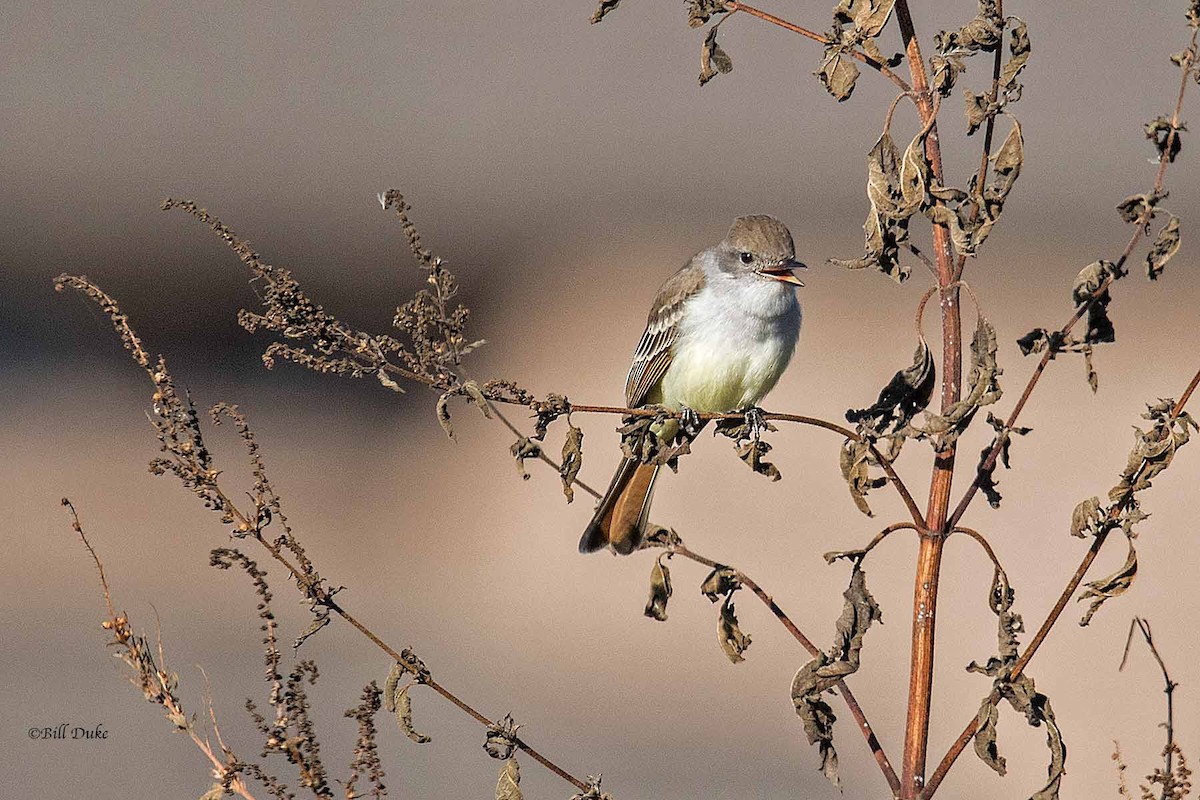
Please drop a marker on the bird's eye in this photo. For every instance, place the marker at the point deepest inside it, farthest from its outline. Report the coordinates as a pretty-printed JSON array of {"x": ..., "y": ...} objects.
[{"x": 746, "y": 257}]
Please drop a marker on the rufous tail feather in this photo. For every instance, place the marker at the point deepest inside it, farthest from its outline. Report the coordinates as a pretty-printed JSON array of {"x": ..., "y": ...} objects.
[{"x": 621, "y": 517}]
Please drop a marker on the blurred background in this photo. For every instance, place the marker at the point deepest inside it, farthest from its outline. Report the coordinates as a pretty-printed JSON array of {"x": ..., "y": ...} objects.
[{"x": 564, "y": 170}]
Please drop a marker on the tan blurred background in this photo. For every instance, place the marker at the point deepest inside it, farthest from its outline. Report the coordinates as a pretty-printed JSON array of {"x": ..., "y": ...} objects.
[{"x": 564, "y": 170}]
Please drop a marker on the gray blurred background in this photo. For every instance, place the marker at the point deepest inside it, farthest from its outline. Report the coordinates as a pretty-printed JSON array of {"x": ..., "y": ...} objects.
[{"x": 564, "y": 170}]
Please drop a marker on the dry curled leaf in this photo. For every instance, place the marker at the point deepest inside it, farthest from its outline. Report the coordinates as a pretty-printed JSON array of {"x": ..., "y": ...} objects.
[
  {"x": 1110, "y": 586},
  {"x": 1166, "y": 245},
  {"x": 753, "y": 453},
  {"x": 983, "y": 388},
  {"x": 501, "y": 741},
  {"x": 713, "y": 58},
  {"x": 522, "y": 449},
  {"x": 700, "y": 11},
  {"x": 1090, "y": 279},
  {"x": 1003, "y": 440},
  {"x": 397, "y": 701},
  {"x": 572, "y": 459},
  {"x": 729, "y": 635},
  {"x": 1020, "y": 693},
  {"x": 660, "y": 590},
  {"x": 906, "y": 394},
  {"x": 508, "y": 785},
  {"x": 855, "y": 460},
  {"x": 603, "y": 8},
  {"x": 1140, "y": 208},
  {"x": 720, "y": 582},
  {"x": 838, "y": 73},
  {"x": 1088, "y": 517},
  {"x": 443, "y": 414},
  {"x": 1165, "y": 137},
  {"x": 818, "y": 676},
  {"x": 388, "y": 382}
]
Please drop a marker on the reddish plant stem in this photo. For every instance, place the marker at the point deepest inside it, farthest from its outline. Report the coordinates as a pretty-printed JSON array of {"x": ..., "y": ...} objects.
[
  {"x": 1064, "y": 598},
  {"x": 864, "y": 727},
  {"x": 857, "y": 55},
  {"x": 929, "y": 556}
]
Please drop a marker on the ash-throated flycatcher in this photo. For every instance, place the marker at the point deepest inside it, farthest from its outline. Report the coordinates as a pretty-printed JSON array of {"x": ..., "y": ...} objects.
[{"x": 719, "y": 335}]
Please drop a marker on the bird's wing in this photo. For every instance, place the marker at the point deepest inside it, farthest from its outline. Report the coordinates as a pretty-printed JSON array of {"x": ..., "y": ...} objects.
[{"x": 655, "y": 350}]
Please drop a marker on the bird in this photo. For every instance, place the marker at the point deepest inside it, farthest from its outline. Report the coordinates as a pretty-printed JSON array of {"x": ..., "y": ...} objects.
[{"x": 720, "y": 333}]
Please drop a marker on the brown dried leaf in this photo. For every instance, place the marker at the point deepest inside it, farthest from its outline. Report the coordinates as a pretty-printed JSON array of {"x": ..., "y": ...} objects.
[
  {"x": 872, "y": 15},
  {"x": 1110, "y": 586},
  {"x": 721, "y": 581},
  {"x": 401, "y": 704},
  {"x": 816, "y": 715},
  {"x": 388, "y": 382},
  {"x": 603, "y": 8},
  {"x": 443, "y": 414},
  {"x": 823, "y": 672},
  {"x": 855, "y": 460},
  {"x": 1090, "y": 279},
  {"x": 700, "y": 11},
  {"x": 1166, "y": 245},
  {"x": 754, "y": 452},
  {"x": 508, "y": 786},
  {"x": 906, "y": 394},
  {"x": 572, "y": 459},
  {"x": 1159, "y": 131},
  {"x": 1088, "y": 517},
  {"x": 472, "y": 390},
  {"x": 729, "y": 635},
  {"x": 660, "y": 590},
  {"x": 838, "y": 73},
  {"x": 522, "y": 449},
  {"x": 985, "y": 737},
  {"x": 713, "y": 58}
]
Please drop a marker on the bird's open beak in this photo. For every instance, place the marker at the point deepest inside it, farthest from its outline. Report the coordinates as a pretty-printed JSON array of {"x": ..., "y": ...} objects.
[{"x": 785, "y": 272}]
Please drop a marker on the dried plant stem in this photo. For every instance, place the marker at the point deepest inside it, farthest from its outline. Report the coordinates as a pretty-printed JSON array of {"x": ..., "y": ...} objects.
[
  {"x": 932, "y": 538},
  {"x": 117, "y": 624},
  {"x": 815, "y": 422},
  {"x": 1064, "y": 598},
  {"x": 1139, "y": 230},
  {"x": 336, "y": 608},
  {"x": 856, "y": 711},
  {"x": 989, "y": 128},
  {"x": 732, "y": 7},
  {"x": 1142, "y": 625}
]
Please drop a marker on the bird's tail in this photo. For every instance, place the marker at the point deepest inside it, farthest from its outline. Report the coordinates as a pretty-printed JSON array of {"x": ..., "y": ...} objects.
[{"x": 621, "y": 517}]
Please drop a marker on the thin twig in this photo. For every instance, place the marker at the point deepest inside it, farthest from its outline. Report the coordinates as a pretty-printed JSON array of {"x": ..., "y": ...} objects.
[
  {"x": 1143, "y": 625},
  {"x": 799, "y": 419},
  {"x": 1138, "y": 232},
  {"x": 989, "y": 129},
  {"x": 119, "y": 625},
  {"x": 857, "y": 55},
  {"x": 984, "y": 543},
  {"x": 851, "y": 701},
  {"x": 1064, "y": 598}
]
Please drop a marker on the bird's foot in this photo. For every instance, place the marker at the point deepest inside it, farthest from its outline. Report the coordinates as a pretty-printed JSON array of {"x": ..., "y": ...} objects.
[
  {"x": 689, "y": 421},
  {"x": 756, "y": 422}
]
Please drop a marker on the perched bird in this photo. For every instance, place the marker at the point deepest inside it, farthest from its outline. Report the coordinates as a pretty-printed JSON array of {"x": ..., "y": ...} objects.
[{"x": 719, "y": 335}]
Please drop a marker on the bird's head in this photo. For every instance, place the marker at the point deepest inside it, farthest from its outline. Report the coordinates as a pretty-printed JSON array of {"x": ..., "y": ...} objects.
[{"x": 761, "y": 245}]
